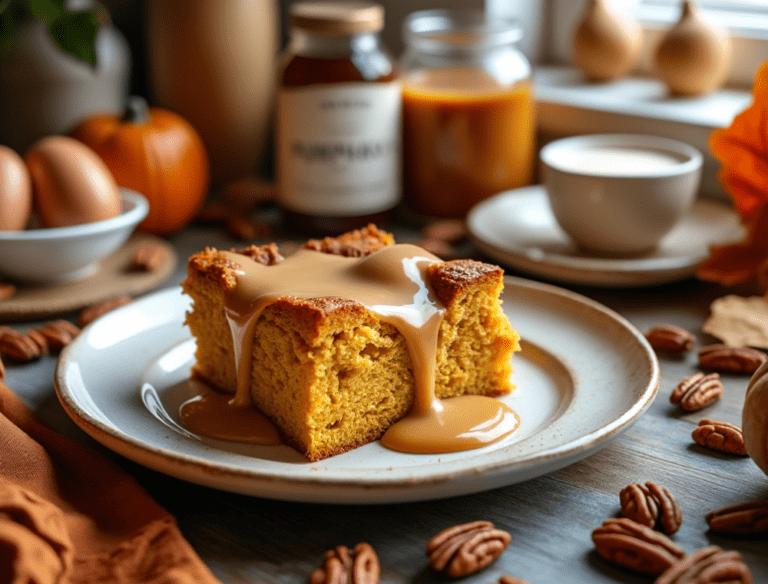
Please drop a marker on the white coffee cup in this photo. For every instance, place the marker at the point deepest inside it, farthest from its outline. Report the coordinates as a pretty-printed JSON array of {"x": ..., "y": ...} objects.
[{"x": 620, "y": 194}]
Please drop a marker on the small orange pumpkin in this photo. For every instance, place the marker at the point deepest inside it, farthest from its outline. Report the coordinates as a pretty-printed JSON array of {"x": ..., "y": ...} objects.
[{"x": 157, "y": 153}]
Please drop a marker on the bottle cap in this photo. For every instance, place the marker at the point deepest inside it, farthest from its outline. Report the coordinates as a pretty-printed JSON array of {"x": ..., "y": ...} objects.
[{"x": 337, "y": 18}]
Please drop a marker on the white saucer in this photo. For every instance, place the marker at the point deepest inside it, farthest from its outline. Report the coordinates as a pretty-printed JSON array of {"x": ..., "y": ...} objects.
[{"x": 517, "y": 229}]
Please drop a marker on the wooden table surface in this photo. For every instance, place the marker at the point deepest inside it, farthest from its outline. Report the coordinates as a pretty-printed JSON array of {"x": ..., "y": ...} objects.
[{"x": 246, "y": 539}]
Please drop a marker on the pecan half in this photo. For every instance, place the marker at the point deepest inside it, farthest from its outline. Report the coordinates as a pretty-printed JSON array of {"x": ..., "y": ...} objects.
[
  {"x": 148, "y": 257},
  {"x": 18, "y": 346},
  {"x": 467, "y": 548},
  {"x": 246, "y": 229},
  {"x": 727, "y": 359},
  {"x": 39, "y": 339},
  {"x": 742, "y": 519},
  {"x": 626, "y": 543},
  {"x": 708, "y": 565},
  {"x": 506, "y": 579},
  {"x": 652, "y": 506},
  {"x": 2, "y": 369},
  {"x": 58, "y": 334},
  {"x": 667, "y": 338},
  {"x": 720, "y": 436},
  {"x": 88, "y": 315},
  {"x": 340, "y": 566},
  {"x": 697, "y": 391}
]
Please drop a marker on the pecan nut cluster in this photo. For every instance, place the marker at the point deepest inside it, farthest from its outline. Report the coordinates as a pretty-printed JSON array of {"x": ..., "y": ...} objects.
[
  {"x": 708, "y": 565},
  {"x": 626, "y": 543},
  {"x": 725, "y": 359},
  {"x": 467, "y": 548},
  {"x": 720, "y": 436},
  {"x": 742, "y": 519},
  {"x": 697, "y": 391},
  {"x": 26, "y": 346},
  {"x": 652, "y": 506},
  {"x": 340, "y": 566},
  {"x": 667, "y": 338}
]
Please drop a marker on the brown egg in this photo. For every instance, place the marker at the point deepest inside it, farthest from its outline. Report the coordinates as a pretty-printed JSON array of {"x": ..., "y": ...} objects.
[
  {"x": 71, "y": 185},
  {"x": 15, "y": 191}
]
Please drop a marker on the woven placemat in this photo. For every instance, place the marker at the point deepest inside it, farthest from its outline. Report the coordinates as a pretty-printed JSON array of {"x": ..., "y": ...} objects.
[{"x": 113, "y": 277}]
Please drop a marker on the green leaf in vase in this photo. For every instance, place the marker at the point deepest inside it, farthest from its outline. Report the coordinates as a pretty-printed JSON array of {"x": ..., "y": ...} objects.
[{"x": 75, "y": 33}]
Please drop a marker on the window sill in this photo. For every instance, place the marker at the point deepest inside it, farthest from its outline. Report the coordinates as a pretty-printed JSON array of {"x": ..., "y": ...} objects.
[{"x": 568, "y": 105}]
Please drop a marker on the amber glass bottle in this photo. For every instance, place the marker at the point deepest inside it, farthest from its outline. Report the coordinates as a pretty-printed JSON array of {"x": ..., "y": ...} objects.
[{"x": 338, "y": 120}]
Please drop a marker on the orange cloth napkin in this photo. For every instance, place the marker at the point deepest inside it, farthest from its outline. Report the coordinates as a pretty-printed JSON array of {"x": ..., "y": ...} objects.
[{"x": 70, "y": 516}]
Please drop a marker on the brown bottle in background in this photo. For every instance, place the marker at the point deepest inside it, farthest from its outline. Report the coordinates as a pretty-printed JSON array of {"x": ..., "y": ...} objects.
[{"x": 338, "y": 120}]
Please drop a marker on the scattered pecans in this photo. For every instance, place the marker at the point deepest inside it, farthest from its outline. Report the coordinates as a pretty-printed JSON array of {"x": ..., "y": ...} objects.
[
  {"x": 667, "y": 338},
  {"x": 743, "y": 519},
  {"x": 725, "y": 359},
  {"x": 697, "y": 391},
  {"x": 340, "y": 566},
  {"x": 651, "y": 505},
  {"x": 19, "y": 346},
  {"x": 626, "y": 543},
  {"x": 707, "y": 565},
  {"x": 91, "y": 313},
  {"x": 467, "y": 548},
  {"x": 58, "y": 334},
  {"x": 34, "y": 343},
  {"x": 720, "y": 436},
  {"x": 148, "y": 257}
]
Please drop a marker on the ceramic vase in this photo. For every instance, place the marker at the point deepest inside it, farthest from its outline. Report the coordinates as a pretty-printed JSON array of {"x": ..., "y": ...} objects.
[{"x": 213, "y": 63}]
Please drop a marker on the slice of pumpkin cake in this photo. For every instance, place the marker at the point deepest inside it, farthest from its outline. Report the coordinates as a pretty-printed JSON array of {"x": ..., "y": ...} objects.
[{"x": 332, "y": 343}]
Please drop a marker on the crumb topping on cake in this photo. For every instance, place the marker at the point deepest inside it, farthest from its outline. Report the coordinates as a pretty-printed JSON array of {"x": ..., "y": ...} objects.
[{"x": 354, "y": 244}]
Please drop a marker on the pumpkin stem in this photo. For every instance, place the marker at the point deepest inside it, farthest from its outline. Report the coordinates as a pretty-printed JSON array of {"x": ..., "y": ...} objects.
[{"x": 136, "y": 110}]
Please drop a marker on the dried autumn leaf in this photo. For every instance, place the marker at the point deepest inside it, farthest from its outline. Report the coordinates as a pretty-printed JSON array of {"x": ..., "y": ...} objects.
[
  {"x": 741, "y": 262},
  {"x": 739, "y": 321}
]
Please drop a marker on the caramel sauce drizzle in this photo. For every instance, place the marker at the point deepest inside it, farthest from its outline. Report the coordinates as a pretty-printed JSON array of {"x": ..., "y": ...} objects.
[{"x": 391, "y": 283}]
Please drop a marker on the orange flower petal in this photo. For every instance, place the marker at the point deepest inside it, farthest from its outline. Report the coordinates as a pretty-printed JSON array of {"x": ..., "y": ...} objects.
[
  {"x": 742, "y": 148},
  {"x": 739, "y": 262}
]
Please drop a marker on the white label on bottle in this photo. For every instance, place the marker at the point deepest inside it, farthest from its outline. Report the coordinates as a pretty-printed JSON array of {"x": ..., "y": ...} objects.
[{"x": 338, "y": 148}]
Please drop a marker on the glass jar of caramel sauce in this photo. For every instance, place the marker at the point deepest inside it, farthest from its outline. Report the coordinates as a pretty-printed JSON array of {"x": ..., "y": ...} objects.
[
  {"x": 468, "y": 111},
  {"x": 338, "y": 120}
]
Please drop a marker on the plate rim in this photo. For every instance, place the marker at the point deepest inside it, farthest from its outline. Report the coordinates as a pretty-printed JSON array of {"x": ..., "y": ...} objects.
[
  {"x": 610, "y": 272},
  {"x": 396, "y": 489}
]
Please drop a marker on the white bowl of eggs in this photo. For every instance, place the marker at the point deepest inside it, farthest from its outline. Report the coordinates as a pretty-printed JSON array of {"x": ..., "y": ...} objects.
[{"x": 61, "y": 212}]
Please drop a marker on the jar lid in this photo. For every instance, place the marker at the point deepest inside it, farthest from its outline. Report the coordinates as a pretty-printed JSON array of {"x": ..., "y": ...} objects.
[
  {"x": 459, "y": 29},
  {"x": 337, "y": 18}
]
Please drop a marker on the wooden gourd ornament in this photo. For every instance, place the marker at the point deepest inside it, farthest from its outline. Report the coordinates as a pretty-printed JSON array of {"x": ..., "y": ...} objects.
[
  {"x": 754, "y": 418},
  {"x": 606, "y": 43},
  {"x": 694, "y": 56},
  {"x": 156, "y": 153}
]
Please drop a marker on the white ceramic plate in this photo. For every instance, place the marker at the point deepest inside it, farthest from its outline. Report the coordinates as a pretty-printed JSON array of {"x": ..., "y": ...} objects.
[
  {"x": 584, "y": 376},
  {"x": 517, "y": 228}
]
